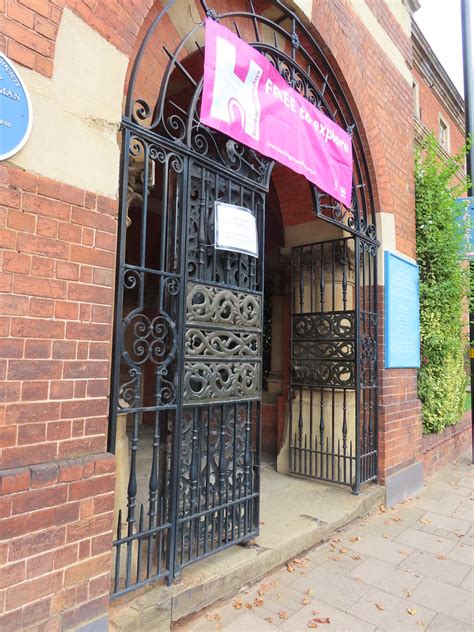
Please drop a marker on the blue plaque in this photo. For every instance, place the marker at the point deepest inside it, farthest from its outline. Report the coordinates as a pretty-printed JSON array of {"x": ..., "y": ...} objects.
[
  {"x": 402, "y": 313},
  {"x": 15, "y": 110}
]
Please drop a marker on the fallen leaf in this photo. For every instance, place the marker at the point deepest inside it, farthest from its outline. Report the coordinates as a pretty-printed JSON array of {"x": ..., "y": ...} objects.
[
  {"x": 356, "y": 557},
  {"x": 213, "y": 616},
  {"x": 343, "y": 550},
  {"x": 335, "y": 558},
  {"x": 258, "y": 601},
  {"x": 380, "y": 606},
  {"x": 248, "y": 605},
  {"x": 424, "y": 521},
  {"x": 316, "y": 611},
  {"x": 312, "y": 624},
  {"x": 289, "y": 567},
  {"x": 298, "y": 562},
  {"x": 309, "y": 592},
  {"x": 333, "y": 544},
  {"x": 385, "y": 535},
  {"x": 266, "y": 586},
  {"x": 422, "y": 623},
  {"x": 382, "y": 509},
  {"x": 269, "y": 620},
  {"x": 355, "y": 538},
  {"x": 441, "y": 557},
  {"x": 411, "y": 611},
  {"x": 305, "y": 601},
  {"x": 407, "y": 594},
  {"x": 322, "y": 620},
  {"x": 283, "y": 614},
  {"x": 237, "y": 603},
  {"x": 396, "y": 519}
]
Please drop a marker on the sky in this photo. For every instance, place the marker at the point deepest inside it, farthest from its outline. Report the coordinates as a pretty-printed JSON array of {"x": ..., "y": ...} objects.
[{"x": 440, "y": 23}]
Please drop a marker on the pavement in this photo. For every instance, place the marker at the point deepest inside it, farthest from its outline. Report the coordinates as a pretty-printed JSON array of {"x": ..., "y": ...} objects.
[{"x": 401, "y": 569}]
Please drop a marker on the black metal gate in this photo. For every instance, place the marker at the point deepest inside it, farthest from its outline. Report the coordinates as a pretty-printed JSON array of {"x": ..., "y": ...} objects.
[
  {"x": 333, "y": 392},
  {"x": 186, "y": 374}
]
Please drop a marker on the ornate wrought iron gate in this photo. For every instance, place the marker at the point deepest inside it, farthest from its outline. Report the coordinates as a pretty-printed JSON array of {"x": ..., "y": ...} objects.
[
  {"x": 186, "y": 375},
  {"x": 332, "y": 408}
]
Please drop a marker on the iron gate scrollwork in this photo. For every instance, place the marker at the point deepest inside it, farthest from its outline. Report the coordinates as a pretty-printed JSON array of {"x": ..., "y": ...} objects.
[
  {"x": 187, "y": 362},
  {"x": 332, "y": 408}
]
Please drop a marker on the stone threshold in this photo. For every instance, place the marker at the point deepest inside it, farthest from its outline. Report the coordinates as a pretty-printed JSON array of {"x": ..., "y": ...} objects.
[{"x": 296, "y": 514}]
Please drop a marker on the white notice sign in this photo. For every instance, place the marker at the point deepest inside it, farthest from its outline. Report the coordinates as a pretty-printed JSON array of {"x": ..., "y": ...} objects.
[{"x": 236, "y": 229}]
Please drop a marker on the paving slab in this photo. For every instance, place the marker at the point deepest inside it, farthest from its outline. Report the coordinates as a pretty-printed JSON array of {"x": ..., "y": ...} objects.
[
  {"x": 339, "y": 620},
  {"x": 393, "y": 579},
  {"x": 436, "y": 566},
  {"x": 444, "y": 598},
  {"x": 332, "y": 587},
  {"x": 425, "y": 542},
  {"x": 389, "y": 612},
  {"x": 443, "y": 623},
  {"x": 383, "y": 549},
  {"x": 462, "y": 553}
]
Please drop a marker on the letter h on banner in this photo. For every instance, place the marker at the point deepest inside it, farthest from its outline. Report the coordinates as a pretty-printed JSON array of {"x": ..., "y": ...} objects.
[{"x": 234, "y": 98}]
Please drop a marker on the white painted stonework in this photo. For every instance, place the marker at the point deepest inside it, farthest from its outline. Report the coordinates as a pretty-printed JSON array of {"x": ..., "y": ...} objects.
[{"x": 77, "y": 112}]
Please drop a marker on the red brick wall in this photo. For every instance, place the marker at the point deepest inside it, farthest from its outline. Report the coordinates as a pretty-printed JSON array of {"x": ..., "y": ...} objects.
[
  {"x": 443, "y": 447},
  {"x": 431, "y": 107},
  {"x": 55, "y": 543},
  {"x": 400, "y": 420},
  {"x": 56, "y": 276}
]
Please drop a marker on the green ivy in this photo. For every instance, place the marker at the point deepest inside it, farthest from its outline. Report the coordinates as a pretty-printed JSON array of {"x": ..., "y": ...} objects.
[{"x": 439, "y": 241}]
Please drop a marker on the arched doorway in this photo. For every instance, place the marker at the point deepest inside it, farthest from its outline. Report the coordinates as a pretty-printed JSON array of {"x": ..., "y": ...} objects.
[{"x": 188, "y": 350}]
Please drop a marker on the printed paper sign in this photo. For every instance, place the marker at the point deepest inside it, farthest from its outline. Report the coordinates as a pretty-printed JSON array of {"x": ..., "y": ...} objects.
[
  {"x": 15, "y": 110},
  {"x": 245, "y": 97},
  {"x": 236, "y": 229}
]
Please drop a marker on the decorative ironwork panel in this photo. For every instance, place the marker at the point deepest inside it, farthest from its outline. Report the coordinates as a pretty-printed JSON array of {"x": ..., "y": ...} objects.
[
  {"x": 211, "y": 305},
  {"x": 220, "y": 381},
  {"x": 221, "y": 343},
  {"x": 325, "y": 326}
]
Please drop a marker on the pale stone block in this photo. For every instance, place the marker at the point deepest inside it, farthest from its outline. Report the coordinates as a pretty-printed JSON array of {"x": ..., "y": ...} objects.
[
  {"x": 425, "y": 542},
  {"x": 429, "y": 565},
  {"x": 334, "y": 588},
  {"x": 394, "y": 615},
  {"x": 387, "y": 577},
  {"x": 444, "y": 598},
  {"x": 340, "y": 621},
  {"x": 381, "y": 548}
]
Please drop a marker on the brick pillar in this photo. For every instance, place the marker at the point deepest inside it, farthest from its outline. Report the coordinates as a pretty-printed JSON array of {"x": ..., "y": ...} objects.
[{"x": 56, "y": 479}]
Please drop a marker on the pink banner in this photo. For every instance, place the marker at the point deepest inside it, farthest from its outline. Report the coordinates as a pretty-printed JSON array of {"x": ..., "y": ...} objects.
[{"x": 246, "y": 98}]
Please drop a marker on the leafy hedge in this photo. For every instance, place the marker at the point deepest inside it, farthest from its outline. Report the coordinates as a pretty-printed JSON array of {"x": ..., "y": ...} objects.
[{"x": 439, "y": 240}]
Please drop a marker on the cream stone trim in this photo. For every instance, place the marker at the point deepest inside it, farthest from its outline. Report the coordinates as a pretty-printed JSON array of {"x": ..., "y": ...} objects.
[
  {"x": 388, "y": 241},
  {"x": 77, "y": 113},
  {"x": 381, "y": 37},
  {"x": 402, "y": 14}
]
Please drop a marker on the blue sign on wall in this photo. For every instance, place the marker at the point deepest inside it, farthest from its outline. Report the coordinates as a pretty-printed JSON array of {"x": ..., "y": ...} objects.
[
  {"x": 466, "y": 222},
  {"x": 402, "y": 313},
  {"x": 15, "y": 110}
]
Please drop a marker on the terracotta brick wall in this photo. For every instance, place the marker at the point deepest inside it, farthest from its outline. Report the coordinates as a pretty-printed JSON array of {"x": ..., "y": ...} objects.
[
  {"x": 56, "y": 276},
  {"x": 431, "y": 108},
  {"x": 400, "y": 420},
  {"x": 443, "y": 447},
  {"x": 55, "y": 543}
]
